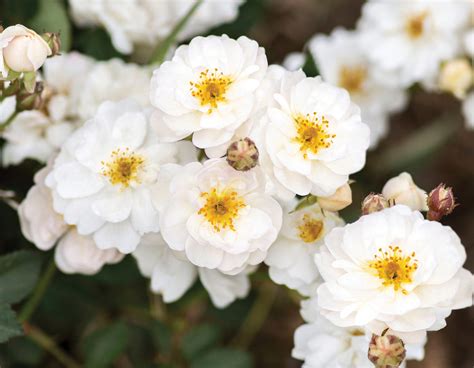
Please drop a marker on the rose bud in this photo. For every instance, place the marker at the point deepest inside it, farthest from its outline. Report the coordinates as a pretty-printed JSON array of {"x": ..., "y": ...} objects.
[
  {"x": 402, "y": 190},
  {"x": 456, "y": 77},
  {"x": 338, "y": 201},
  {"x": 242, "y": 155},
  {"x": 441, "y": 202},
  {"x": 374, "y": 202},
  {"x": 21, "y": 50},
  {"x": 386, "y": 351},
  {"x": 54, "y": 42}
]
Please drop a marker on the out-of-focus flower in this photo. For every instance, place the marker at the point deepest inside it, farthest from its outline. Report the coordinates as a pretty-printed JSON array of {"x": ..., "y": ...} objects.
[
  {"x": 21, "y": 50},
  {"x": 208, "y": 89},
  {"x": 338, "y": 201},
  {"x": 468, "y": 110},
  {"x": 342, "y": 62},
  {"x": 313, "y": 140},
  {"x": 113, "y": 80},
  {"x": 103, "y": 180},
  {"x": 373, "y": 203},
  {"x": 408, "y": 40},
  {"x": 403, "y": 190},
  {"x": 393, "y": 269},
  {"x": 294, "y": 61},
  {"x": 172, "y": 274},
  {"x": 456, "y": 77},
  {"x": 44, "y": 227},
  {"x": 322, "y": 344},
  {"x": 219, "y": 217},
  {"x": 290, "y": 258},
  {"x": 146, "y": 22}
]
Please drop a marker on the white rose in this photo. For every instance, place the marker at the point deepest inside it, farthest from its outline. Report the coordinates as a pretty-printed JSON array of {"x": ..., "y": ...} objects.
[
  {"x": 22, "y": 50},
  {"x": 402, "y": 190}
]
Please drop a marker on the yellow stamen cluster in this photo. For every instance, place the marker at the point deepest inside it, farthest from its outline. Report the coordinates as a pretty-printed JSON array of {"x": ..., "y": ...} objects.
[
  {"x": 393, "y": 268},
  {"x": 311, "y": 229},
  {"x": 352, "y": 78},
  {"x": 123, "y": 167},
  {"x": 414, "y": 26},
  {"x": 312, "y": 133},
  {"x": 211, "y": 88},
  {"x": 221, "y": 208}
]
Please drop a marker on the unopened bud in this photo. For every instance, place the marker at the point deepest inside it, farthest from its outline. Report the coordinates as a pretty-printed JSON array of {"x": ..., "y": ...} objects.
[
  {"x": 242, "y": 155},
  {"x": 441, "y": 202},
  {"x": 30, "y": 101},
  {"x": 456, "y": 77},
  {"x": 386, "y": 351},
  {"x": 338, "y": 201},
  {"x": 374, "y": 202},
  {"x": 403, "y": 190},
  {"x": 54, "y": 42}
]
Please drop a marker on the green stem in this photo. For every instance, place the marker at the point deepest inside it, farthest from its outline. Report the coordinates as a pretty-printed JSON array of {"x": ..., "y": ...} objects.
[
  {"x": 48, "y": 344},
  {"x": 33, "y": 302},
  {"x": 257, "y": 315},
  {"x": 161, "y": 50},
  {"x": 8, "y": 121}
]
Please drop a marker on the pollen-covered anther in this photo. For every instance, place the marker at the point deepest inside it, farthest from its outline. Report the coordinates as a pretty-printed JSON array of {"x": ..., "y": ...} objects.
[
  {"x": 123, "y": 167},
  {"x": 394, "y": 268},
  {"x": 211, "y": 88},
  {"x": 310, "y": 229},
  {"x": 221, "y": 208},
  {"x": 312, "y": 133}
]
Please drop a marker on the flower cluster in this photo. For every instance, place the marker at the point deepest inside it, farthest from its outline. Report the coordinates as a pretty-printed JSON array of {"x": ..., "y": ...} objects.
[
  {"x": 395, "y": 45},
  {"x": 215, "y": 163}
]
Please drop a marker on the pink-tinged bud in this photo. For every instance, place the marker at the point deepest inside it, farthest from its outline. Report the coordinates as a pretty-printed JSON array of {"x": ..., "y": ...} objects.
[
  {"x": 242, "y": 155},
  {"x": 441, "y": 202},
  {"x": 386, "y": 351},
  {"x": 338, "y": 201},
  {"x": 54, "y": 42},
  {"x": 374, "y": 202}
]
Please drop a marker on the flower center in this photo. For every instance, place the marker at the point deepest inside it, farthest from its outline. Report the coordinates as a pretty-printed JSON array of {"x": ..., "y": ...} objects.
[
  {"x": 352, "y": 78},
  {"x": 123, "y": 167},
  {"x": 211, "y": 88},
  {"x": 414, "y": 26},
  {"x": 312, "y": 133},
  {"x": 393, "y": 268},
  {"x": 311, "y": 229},
  {"x": 221, "y": 207}
]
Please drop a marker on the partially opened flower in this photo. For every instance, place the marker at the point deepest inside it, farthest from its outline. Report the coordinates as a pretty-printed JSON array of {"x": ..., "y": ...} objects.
[
  {"x": 21, "y": 50},
  {"x": 291, "y": 257},
  {"x": 393, "y": 269},
  {"x": 322, "y": 344},
  {"x": 208, "y": 89},
  {"x": 407, "y": 40},
  {"x": 402, "y": 189},
  {"x": 45, "y": 228},
  {"x": 172, "y": 274},
  {"x": 343, "y": 63},
  {"x": 313, "y": 140},
  {"x": 219, "y": 217},
  {"x": 104, "y": 178}
]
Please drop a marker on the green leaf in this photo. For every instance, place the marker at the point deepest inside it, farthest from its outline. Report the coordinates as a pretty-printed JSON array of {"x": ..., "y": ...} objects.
[
  {"x": 309, "y": 67},
  {"x": 9, "y": 326},
  {"x": 96, "y": 43},
  {"x": 104, "y": 346},
  {"x": 224, "y": 357},
  {"x": 199, "y": 339},
  {"x": 22, "y": 350},
  {"x": 161, "y": 336},
  {"x": 19, "y": 272},
  {"x": 52, "y": 17}
]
